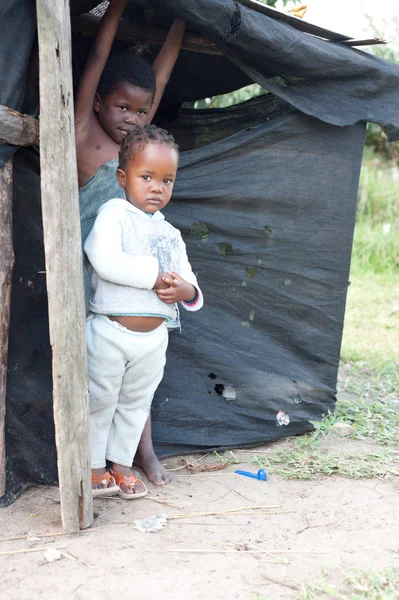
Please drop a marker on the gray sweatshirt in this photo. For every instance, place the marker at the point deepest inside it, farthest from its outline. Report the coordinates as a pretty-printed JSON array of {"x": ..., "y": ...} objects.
[{"x": 126, "y": 250}]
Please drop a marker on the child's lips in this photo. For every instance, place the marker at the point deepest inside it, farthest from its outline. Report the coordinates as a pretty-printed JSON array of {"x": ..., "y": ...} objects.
[
  {"x": 125, "y": 128},
  {"x": 154, "y": 200}
]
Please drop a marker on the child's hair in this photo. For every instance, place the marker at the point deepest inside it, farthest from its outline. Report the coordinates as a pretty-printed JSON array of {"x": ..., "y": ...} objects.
[
  {"x": 126, "y": 67},
  {"x": 139, "y": 137}
]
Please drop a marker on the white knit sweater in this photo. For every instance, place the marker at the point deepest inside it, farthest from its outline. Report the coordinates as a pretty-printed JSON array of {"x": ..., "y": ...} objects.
[{"x": 126, "y": 250}]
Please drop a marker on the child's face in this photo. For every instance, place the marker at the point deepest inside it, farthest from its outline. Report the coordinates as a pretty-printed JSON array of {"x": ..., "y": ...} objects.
[
  {"x": 149, "y": 177},
  {"x": 123, "y": 107}
]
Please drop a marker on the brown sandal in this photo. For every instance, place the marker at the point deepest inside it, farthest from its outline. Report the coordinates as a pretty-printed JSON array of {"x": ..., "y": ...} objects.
[
  {"x": 129, "y": 482},
  {"x": 104, "y": 481}
]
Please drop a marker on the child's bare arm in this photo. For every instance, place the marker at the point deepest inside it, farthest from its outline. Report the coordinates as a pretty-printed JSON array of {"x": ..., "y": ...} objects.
[
  {"x": 97, "y": 59},
  {"x": 165, "y": 61}
]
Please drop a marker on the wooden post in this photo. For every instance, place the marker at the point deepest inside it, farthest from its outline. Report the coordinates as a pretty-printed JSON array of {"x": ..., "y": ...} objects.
[
  {"x": 62, "y": 243},
  {"x": 145, "y": 34},
  {"x": 6, "y": 269},
  {"x": 17, "y": 129}
]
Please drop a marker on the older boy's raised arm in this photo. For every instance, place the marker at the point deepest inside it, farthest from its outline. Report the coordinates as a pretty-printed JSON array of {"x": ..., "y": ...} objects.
[
  {"x": 97, "y": 59},
  {"x": 165, "y": 61}
]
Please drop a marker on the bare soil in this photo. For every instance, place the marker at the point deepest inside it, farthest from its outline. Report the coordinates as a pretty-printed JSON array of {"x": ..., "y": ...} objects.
[{"x": 322, "y": 527}]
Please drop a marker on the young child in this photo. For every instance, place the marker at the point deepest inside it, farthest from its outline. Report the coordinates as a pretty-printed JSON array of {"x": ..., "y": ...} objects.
[
  {"x": 139, "y": 269},
  {"x": 113, "y": 95}
]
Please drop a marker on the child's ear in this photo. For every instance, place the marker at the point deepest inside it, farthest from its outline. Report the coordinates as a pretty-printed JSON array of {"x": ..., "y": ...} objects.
[
  {"x": 121, "y": 177},
  {"x": 97, "y": 103}
]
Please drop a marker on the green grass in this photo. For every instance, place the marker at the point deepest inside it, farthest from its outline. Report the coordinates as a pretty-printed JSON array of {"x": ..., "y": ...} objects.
[
  {"x": 374, "y": 250},
  {"x": 374, "y": 417},
  {"x": 376, "y": 236},
  {"x": 357, "y": 585},
  {"x": 370, "y": 339},
  {"x": 297, "y": 461}
]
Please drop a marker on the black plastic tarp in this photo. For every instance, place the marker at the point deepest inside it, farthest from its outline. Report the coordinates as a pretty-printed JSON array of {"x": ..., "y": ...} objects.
[
  {"x": 267, "y": 215},
  {"x": 330, "y": 81},
  {"x": 267, "y": 211}
]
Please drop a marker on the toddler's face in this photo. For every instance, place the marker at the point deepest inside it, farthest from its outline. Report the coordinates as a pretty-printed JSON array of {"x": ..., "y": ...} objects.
[{"x": 149, "y": 177}]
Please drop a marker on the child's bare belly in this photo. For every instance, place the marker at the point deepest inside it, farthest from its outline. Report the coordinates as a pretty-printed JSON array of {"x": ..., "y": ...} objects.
[{"x": 140, "y": 324}]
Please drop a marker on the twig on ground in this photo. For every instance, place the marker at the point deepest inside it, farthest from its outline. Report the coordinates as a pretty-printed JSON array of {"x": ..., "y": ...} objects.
[
  {"x": 241, "y": 496},
  {"x": 209, "y": 524},
  {"x": 165, "y": 503},
  {"x": 22, "y": 578},
  {"x": 222, "y": 512},
  {"x": 37, "y": 491},
  {"x": 316, "y": 526},
  {"x": 212, "y": 551},
  {"x": 24, "y": 550},
  {"x": 69, "y": 553},
  {"x": 184, "y": 466},
  {"x": 235, "y": 492},
  {"x": 287, "y": 585},
  {"x": 205, "y": 475},
  {"x": 44, "y": 535}
]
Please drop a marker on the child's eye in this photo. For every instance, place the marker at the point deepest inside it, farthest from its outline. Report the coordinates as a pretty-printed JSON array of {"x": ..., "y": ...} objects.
[
  {"x": 168, "y": 181},
  {"x": 123, "y": 107},
  {"x": 146, "y": 177},
  {"x": 141, "y": 112}
]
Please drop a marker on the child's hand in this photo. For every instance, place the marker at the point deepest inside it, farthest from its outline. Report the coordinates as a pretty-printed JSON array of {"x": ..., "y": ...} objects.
[
  {"x": 160, "y": 283},
  {"x": 179, "y": 290}
]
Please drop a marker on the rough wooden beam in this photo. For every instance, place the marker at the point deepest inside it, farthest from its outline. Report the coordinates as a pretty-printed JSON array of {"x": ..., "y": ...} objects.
[
  {"x": 88, "y": 24},
  {"x": 300, "y": 24},
  {"x": 62, "y": 243},
  {"x": 366, "y": 42},
  {"x": 6, "y": 269},
  {"x": 18, "y": 129}
]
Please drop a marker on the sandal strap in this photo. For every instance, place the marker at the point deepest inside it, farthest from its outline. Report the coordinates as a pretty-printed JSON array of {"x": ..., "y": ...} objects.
[
  {"x": 130, "y": 482},
  {"x": 103, "y": 480}
]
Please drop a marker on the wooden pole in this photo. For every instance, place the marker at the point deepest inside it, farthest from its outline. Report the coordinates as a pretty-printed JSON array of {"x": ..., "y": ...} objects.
[
  {"x": 62, "y": 243},
  {"x": 17, "y": 129},
  {"x": 144, "y": 34},
  {"x": 6, "y": 269}
]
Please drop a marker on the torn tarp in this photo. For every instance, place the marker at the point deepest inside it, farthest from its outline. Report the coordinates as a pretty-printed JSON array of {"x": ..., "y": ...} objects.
[{"x": 267, "y": 215}]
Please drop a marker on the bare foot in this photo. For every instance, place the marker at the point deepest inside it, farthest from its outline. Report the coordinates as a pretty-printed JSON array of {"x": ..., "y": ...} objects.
[
  {"x": 152, "y": 468},
  {"x": 134, "y": 486}
]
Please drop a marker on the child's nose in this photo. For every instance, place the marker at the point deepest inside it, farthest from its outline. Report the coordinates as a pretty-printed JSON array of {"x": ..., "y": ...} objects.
[
  {"x": 131, "y": 119},
  {"x": 156, "y": 186}
]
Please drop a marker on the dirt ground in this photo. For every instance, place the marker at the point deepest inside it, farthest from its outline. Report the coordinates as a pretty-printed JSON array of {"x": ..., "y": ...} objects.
[{"x": 317, "y": 528}]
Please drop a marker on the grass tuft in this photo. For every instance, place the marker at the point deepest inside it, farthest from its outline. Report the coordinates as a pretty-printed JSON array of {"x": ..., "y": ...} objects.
[
  {"x": 357, "y": 585},
  {"x": 304, "y": 462}
]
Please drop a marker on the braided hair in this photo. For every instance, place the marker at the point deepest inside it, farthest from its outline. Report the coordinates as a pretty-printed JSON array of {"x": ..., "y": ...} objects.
[{"x": 139, "y": 137}]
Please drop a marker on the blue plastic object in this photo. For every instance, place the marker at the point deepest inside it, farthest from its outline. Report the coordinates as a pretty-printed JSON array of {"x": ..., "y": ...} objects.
[{"x": 261, "y": 475}]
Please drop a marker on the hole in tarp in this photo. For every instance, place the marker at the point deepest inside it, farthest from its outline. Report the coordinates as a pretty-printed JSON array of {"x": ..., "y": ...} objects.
[
  {"x": 235, "y": 22},
  {"x": 219, "y": 387}
]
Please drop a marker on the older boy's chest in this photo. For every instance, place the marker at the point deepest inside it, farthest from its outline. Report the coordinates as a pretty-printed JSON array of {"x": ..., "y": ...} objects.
[
  {"x": 143, "y": 237},
  {"x": 94, "y": 150}
]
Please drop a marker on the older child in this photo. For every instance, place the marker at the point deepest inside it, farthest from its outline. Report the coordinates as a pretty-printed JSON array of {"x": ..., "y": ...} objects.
[
  {"x": 117, "y": 94},
  {"x": 139, "y": 269},
  {"x": 113, "y": 95}
]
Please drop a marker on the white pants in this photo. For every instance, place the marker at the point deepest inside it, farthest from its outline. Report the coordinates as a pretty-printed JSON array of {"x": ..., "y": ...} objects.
[{"x": 125, "y": 368}]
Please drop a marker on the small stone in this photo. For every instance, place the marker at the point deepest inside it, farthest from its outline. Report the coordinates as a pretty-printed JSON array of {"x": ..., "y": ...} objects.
[{"x": 343, "y": 429}]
